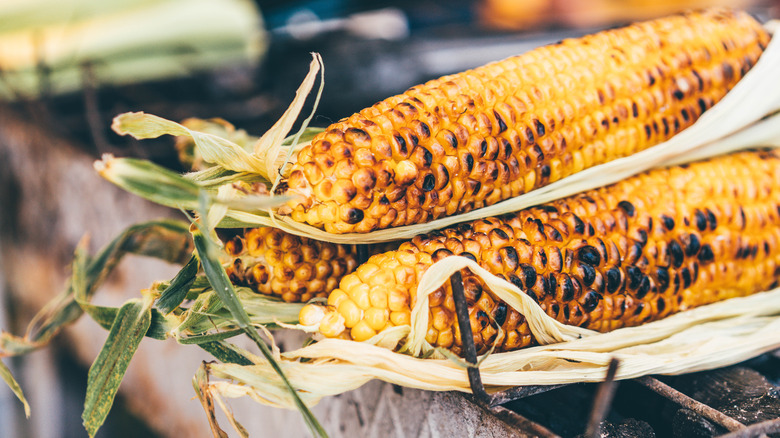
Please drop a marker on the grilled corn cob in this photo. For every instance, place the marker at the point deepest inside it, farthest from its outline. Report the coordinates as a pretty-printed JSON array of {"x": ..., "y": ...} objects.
[
  {"x": 649, "y": 246},
  {"x": 472, "y": 139},
  {"x": 295, "y": 269}
]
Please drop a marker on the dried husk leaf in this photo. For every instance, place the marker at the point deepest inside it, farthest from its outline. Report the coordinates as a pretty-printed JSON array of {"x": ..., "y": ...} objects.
[{"x": 707, "y": 337}]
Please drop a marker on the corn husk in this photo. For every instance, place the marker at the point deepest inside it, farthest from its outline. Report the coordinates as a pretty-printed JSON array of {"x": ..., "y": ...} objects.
[
  {"x": 707, "y": 337},
  {"x": 746, "y": 117},
  {"x": 46, "y": 45}
]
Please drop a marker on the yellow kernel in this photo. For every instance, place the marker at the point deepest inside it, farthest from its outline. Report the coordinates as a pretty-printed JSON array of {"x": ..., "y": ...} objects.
[
  {"x": 431, "y": 336},
  {"x": 349, "y": 281},
  {"x": 351, "y": 312},
  {"x": 378, "y": 297},
  {"x": 398, "y": 299},
  {"x": 377, "y": 318},
  {"x": 382, "y": 277},
  {"x": 311, "y": 314},
  {"x": 366, "y": 270},
  {"x": 440, "y": 318},
  {"x": 362, "y": 332},
  {"x": 336, "y": 297},
  {"x": 332, "y": 324},
  {"x": 446, "y": 338},
  {"x": 401, "y": 318},
  {"x": 359, "y": 295}
]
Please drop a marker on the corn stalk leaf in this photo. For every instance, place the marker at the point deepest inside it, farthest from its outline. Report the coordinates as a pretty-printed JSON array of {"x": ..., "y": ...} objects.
[
  {"x": 8, "y": 378},
  {"x": 207, "y": 252},
  {"x": 177, "y": 291},
  {"x": 106, "y": 373}
]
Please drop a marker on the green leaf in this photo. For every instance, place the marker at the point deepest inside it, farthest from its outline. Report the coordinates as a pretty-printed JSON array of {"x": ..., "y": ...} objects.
[
  {"x": 106, "y": 316},
  {"x": 150, "y": 181},
  {"x": 165, "y": 239},
  {"x": 225, "y": 352},
  {"x": 5, "y": 373},
  {"x": 106, "y": 373},
  {"x": 176, "y": 292},
  {"x": 212, "y": 148}
]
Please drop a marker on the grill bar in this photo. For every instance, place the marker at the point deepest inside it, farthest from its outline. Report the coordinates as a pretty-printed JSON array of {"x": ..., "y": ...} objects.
[
  {"x": 689, "y": 403},
  {"x": 603, "y": 401},
  {"x": 756, "y": 430}
]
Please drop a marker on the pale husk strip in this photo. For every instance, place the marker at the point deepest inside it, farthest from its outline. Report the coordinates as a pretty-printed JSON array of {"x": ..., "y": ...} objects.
[
  {"x": 754, "y": 97},
  {"x": 708, "y": 337}
]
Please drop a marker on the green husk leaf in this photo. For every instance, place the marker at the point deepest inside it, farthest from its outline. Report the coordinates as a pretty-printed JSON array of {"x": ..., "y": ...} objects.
[
  {"x": 270, "y": 144},
  {"x": 166, "y": 240},
  {"x": 207, "y": 251},
  {"x": 8, "y": 378},
  {"x": 212, "y": 148},
  {"x": 106, "y": 316},
  {"x": 150, "y": 181},
  {"x": 225, "y": 352},
  {"x": 177, "y": 291},
  {"x": 106, "y": 373}
]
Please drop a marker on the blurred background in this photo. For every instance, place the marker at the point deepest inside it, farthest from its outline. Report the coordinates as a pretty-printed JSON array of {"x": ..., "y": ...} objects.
[{"x": 67, "y": 67}]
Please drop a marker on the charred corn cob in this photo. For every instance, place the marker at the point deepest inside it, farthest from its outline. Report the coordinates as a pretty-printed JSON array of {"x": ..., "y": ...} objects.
[
  {"x": 472, "y": 139},
  {"x": 295, "y": 269},
  {"x": 637, "y": 251}
]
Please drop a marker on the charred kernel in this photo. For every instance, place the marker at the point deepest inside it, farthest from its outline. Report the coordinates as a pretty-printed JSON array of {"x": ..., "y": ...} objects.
[
  {"x": 668, "y": 222},
  {"x": 712, "y": 222},
  {"x": 579, "y": 225},
  {"x": 428, "y": 182},
  {"x": 440, "y": 254},
  {"x": 567, "y": 288},
  {"x": 540, "y": 129},
  {"x": 643, "y": 288},
  {"x": 501, "y": 123},
  {"x": 700, "y": 220},
  {"x": 590, "y": 301},
  {"x": 482, "y": 318},
  {"x": 613, "y": 280},
  {"x": 662, "y": 277},
  {"x": 705, "y": 254},
  {"x": 509, "y": 256},
  {"x": 685, "y": 273},
  {"x": 676, "y": 251},
  {"x": 627, "y": 207},
  {"x": 692, "y": 245},
  {"x": 634, "y": 277},
  {"x": 529, "y": 275},
  {"x": 354, "y": 216},
  {"x": 468, "y": 255},
  {"x": 529, "y": 135},
  {"x": 469, "y": 162},
  {"x": 550, "y": 284},
  {"x": 514, "y": 279},
  {"x": 590, "y": 255},
  {"x": 531, "y": 294},
  {"x": 588, "y": 274},
  {"x": 499, "y": 314},
  {"x": 660, "y": 304}
]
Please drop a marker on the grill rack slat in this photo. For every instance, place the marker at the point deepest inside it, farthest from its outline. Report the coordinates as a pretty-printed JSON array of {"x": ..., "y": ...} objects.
[{"x": 493, "y": 401}]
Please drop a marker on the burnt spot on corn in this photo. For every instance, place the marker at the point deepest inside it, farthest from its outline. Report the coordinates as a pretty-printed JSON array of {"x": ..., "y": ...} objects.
[
  {"x": 627, "y": 207},
  {"x": 589, "y": 255},
  {"x": 354, "y": 215},
  {"x": 676, "y": 251}
]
